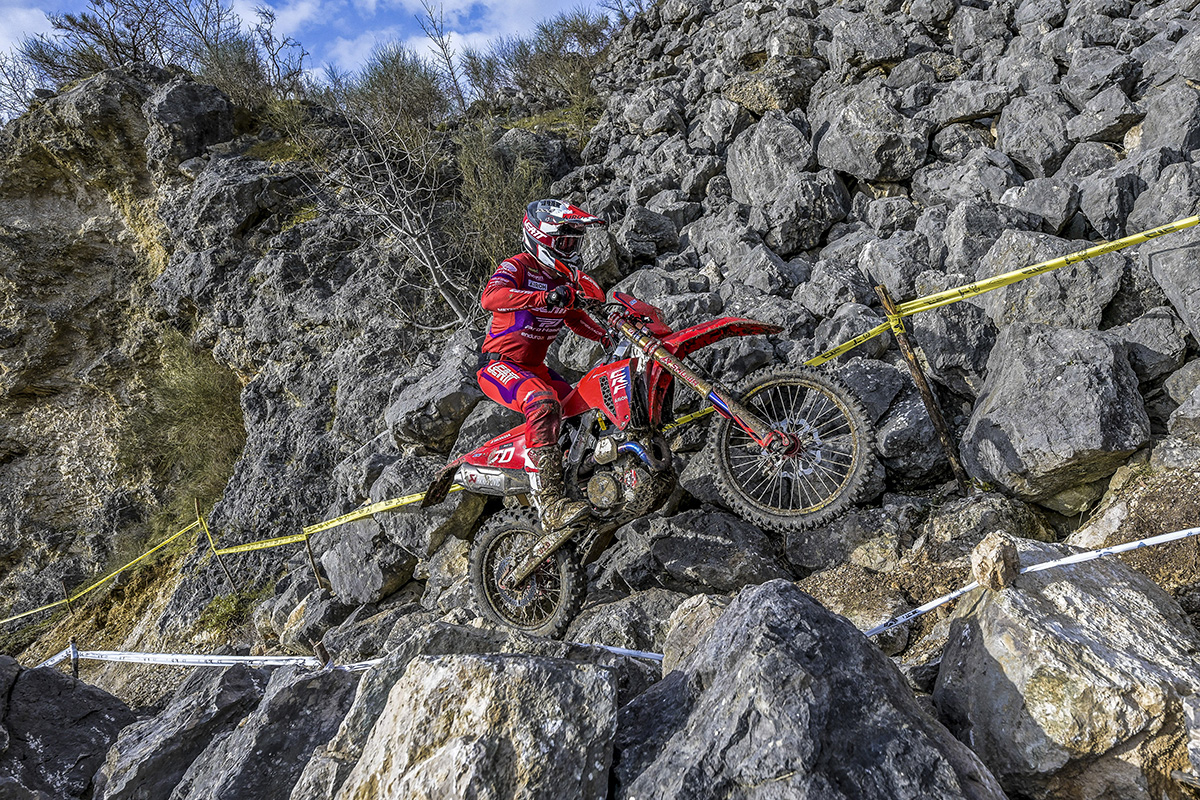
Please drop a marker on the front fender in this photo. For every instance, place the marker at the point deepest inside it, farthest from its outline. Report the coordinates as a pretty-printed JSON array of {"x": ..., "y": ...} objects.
[{"x": 689, "y": 340}]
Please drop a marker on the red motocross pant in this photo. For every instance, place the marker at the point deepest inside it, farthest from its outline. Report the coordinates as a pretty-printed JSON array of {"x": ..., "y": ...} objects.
[{"x": 535, "y": 391}]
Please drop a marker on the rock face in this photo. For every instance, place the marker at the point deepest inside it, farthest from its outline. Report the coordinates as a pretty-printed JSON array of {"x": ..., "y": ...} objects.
[
  {"x": 782, "y": 693},
  {"x": 54, "y": 731},
  {"x": 488, "y": 726},
  {"x": 1084, "y": 697}
]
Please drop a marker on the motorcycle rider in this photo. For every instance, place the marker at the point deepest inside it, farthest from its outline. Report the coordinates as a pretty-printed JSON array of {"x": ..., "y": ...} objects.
[{"x": 531, "y": 296}]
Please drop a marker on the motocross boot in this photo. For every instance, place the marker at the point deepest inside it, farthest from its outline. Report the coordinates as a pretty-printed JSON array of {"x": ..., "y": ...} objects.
[{"x": 546, "y": 479}]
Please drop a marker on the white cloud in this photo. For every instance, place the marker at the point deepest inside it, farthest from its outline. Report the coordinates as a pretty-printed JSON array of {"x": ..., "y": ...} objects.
[
  {"x": 20, "y": 22},
  {"x": 350, "y": 54}
]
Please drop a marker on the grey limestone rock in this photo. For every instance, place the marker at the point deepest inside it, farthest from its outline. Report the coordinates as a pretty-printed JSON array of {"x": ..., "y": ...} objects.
[
  {"x": 886, "y": 215},
  {"x": 1156, "y": 343},
  {"x": 1097, "y": 69},
  {"x": 150, "y": 757},
  {"x": 983, "y": 175},
  {"x": 802, "y": 212},
  {"x": 264, "y": 756},
  {"x": 1088, "y": 158},
  {"x": 769, "y": 156},
  {"x": 315, "y": 615},
  {"x": 364, "y": 565},
  {"x": 699, "y": 550},
  {"x": 644, "y": 234},
  {"x": 1060, "y": 409},
  {"x": 831, "y": 285},
  {"x": 974, "y": 227},
  {"x": 1105, "y": 117},
  {"x": 778, "y": 667},
  {"x": 1032, "y": 130},
  {"x": 781, "y": 84},
  {"x": 864, "y": 135},
  {"x": 1185, "y": 420},
  {"x": 1183, "y": 381},
  {"x": 1174, "y": 195},
  {"x": 1053, "y": 199},
  {"x": 963, "y": 101},
  {"x": 1173, "y": 267},
  {"x": 895, "y": 262},
  {"x": 953, "y": 530},
  {"x": 1092, "y": 707},
  {"x": 636, "y": 622},
  {"x": 184, "y": 118},
  {"x": 490, "y": 722},
  {"x": 862, "y": 41},
  {"x": 1172, "y": 119},
  {"x": 430, "y": 410},
  {"x": 54, "y": 731},
  {"x": 1072, "y": 296},
  {"x": 957, "y": 140}
]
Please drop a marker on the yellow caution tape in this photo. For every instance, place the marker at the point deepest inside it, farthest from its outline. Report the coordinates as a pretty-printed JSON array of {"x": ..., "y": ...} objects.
[
  {"x": 686, "y": 418},
  {"x": 988, "y": 284},
  {"x": 296, "y": 538},
  {"x": 262, "y": 544},
  {"x": 949, "y": 296},
  {"x": 106, "y": 578},
  {"x": 366, "y": 511}
]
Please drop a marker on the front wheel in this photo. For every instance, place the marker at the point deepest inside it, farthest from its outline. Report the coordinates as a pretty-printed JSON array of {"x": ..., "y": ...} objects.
[
  {"x": 788, "y": 493},
  {"x": 546, "y": 602}
]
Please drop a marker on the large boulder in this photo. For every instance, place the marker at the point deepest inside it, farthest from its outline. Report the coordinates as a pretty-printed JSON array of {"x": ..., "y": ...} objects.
[
  {"x": 491, "y": 726},
  {"x": 54, "y": 732},
  {"x": 184, "y": 119},
  {"x": 767, "y": 157},
  {"x": 703, "y": 550},
  {"x": 265, "y": 755},
  {"x": 1060, "y": 409},
  {"x": 1072, "y": 296},
  {"x": 783, "y": 694},
  {"x": 1070, "y": 683},
  {"x": 1032, "y": 130},
  {"x": 985, "y": 174},
  {"x": 867, "y": 137},
  {"x": 429, "y": 410},
  {"x": 150, "y": 757},
  {"x": 1173, "y": 267},
  {"x": 331, "y": 764},
  {"x": 364, "y": 565}
]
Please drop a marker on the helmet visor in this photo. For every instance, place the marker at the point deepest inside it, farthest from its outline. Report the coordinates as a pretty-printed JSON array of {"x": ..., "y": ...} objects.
[{"x": 567, "y": 245}]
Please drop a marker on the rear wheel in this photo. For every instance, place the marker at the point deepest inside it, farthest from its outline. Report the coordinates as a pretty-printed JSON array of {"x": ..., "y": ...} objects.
[
  {"x": 546, "y": 602},
  {"x": 784, "y": 493}
]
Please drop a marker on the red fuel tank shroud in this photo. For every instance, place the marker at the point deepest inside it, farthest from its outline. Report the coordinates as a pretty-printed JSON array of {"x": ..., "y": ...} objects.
[{"x": 506, "y": 450}]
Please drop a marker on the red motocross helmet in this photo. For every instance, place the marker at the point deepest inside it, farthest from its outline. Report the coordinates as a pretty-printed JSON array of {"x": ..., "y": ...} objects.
[{"x": 554, "y": 230}]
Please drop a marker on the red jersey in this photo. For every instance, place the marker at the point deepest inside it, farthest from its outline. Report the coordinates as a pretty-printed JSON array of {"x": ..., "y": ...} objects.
[{"x": 522, "y": 327}]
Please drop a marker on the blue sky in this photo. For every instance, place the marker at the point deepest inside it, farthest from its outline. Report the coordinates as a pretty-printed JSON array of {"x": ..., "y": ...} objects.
[{"x": 336, "y": 32}]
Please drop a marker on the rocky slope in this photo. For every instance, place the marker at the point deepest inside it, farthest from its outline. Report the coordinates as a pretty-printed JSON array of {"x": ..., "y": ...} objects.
[{"x": 771, "y": 160}]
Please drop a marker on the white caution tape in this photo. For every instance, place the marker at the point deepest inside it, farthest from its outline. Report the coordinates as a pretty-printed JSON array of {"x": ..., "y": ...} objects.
[
  {"x": 1077, "y": 558},
  {"x": 203, "y": 660},
  {"x": 621, "y": 651}
]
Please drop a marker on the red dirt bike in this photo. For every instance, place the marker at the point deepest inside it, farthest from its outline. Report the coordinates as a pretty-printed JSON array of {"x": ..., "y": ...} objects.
[{"x": 791, "y": 449}]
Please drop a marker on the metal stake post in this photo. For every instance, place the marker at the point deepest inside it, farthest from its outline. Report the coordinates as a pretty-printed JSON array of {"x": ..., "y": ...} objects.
[
  {"x": 918, "y": 374},
  {"x": 213, "y": 544}
]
